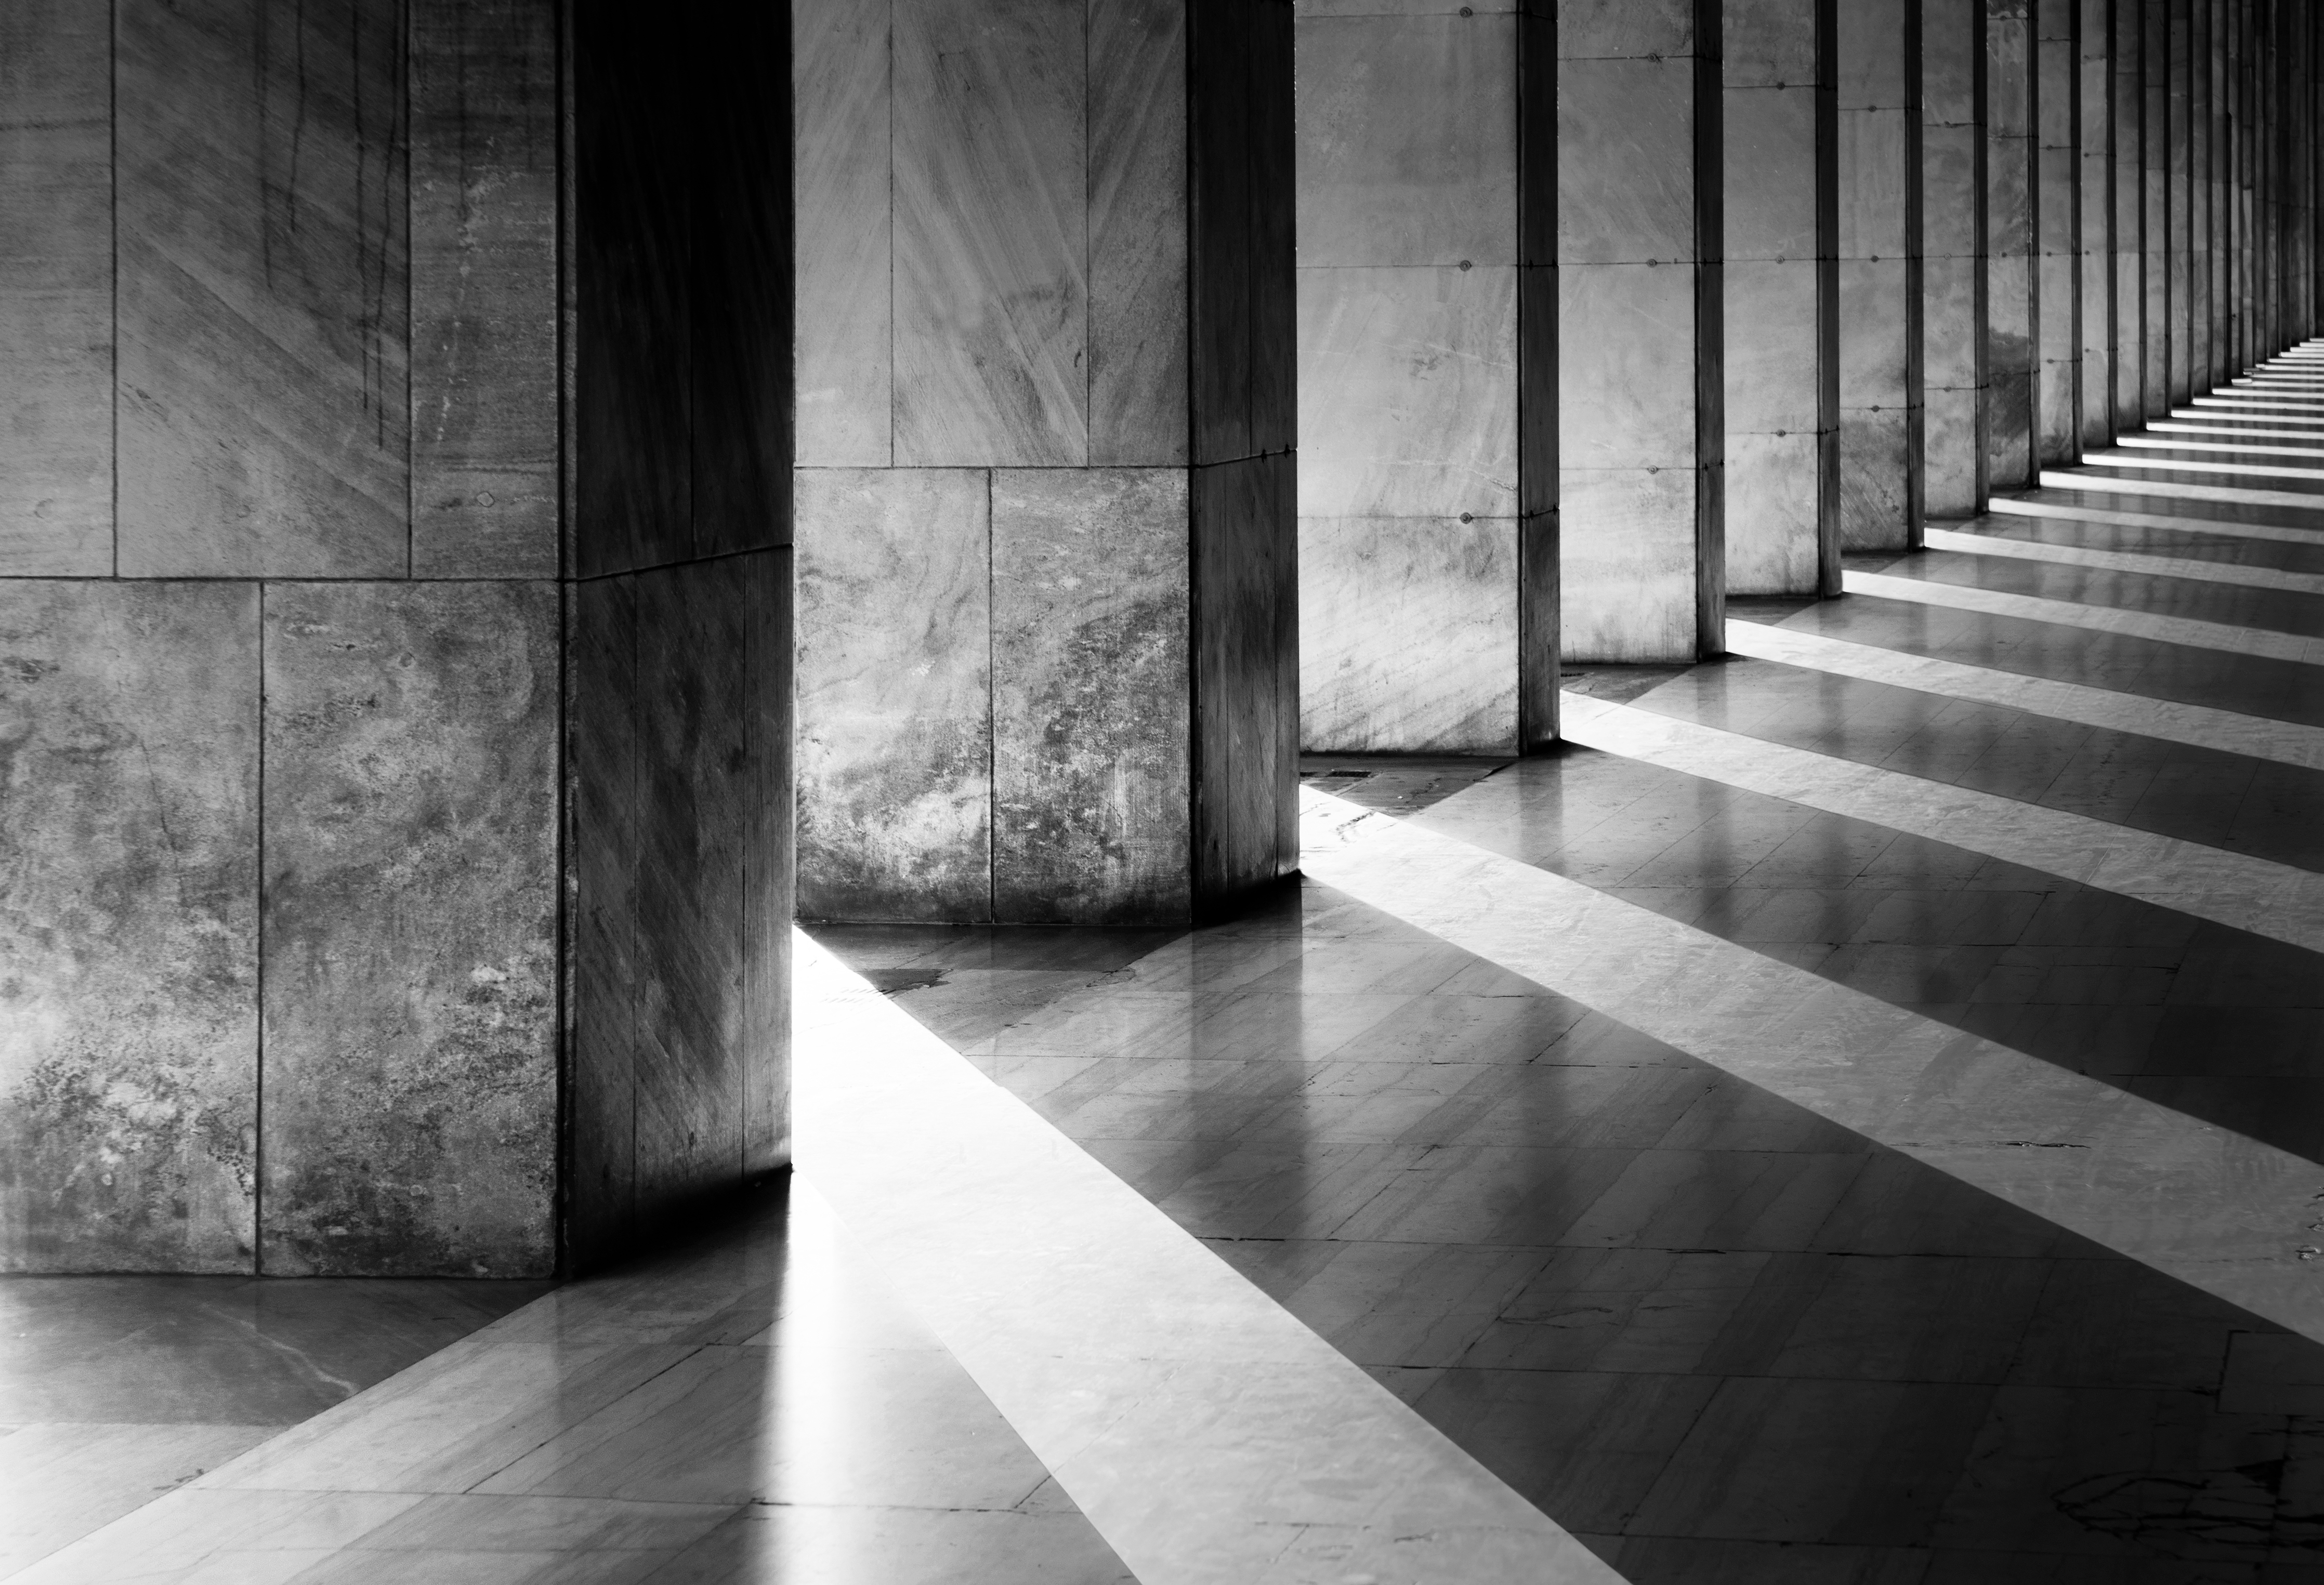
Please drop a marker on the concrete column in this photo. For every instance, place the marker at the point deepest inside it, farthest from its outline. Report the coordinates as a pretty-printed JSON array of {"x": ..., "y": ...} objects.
[
  {"x": 2058, "y": 274},
  {"x": 1641, "y": 439},
  {"x": 2130, "y": 327},
  {"x": 1427, "y": 486},
  {"x": 2095, "y": 66},
  {"x": 1045, "y": 499},
  {"x": 1952, "y": 255},
  {"x": 1881, "y": 384},
  {"x": 2179, "y": 195},
  {"x": 2154, "y": 200},
  {"x": 1782, "y": 309},
  {"x": 2012, "y": 218}
]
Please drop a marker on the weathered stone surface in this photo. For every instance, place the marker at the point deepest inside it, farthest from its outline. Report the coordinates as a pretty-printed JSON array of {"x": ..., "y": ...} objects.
[
  {"x": 894, "y": 694},
  {"x": 483, "y": 289},
  {"x": 56, "y": 287},
  {"x": 263, "y": 289},
  {"x": 1408, "y": 635},
  {"x": 1091, "y": 756},
  {"x": 128, "y": 926},
  {"x": 411, "y": 913}
]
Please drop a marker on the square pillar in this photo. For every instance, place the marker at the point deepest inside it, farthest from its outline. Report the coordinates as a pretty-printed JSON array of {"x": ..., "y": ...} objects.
[
  {"x": 1045, "y": 484},
  {"x": 2012, "y": 218},
  {"x": 2096, "y": 117},
  {"x": 2057, "y": 208},
  {"x": 1782, "y": 309},
  {"x": 1952, "y": 253},
  {"x": 1881, "y": 380},
  {"x": 1427, "y": 478},
  {"x": 1640, "y": 345},
  {"x": 2130, "y": 326}
]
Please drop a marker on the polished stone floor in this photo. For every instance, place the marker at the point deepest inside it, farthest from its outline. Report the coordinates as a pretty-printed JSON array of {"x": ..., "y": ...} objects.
[{"x": 1851, "y": 1115}]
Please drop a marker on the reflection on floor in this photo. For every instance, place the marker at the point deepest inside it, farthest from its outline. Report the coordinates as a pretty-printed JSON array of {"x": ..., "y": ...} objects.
[
  {"x": 1715, "y": 1332},
  {"x": 114, "y": 1389},
  {"x": 755, "y": 1405},
  {"x": 1860, "y": 1122}
]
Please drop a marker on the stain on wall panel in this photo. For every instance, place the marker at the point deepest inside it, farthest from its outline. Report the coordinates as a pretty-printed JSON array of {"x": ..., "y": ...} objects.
[
  {"x": 894, "y": 737},
  {"x": 483, "y": 289},
  {"x": 263, "y": 403},
  {"x": 1089, "y": 709},
  {"x": 56, "y": 287},
  {"x": 410, "y": 928},
  {"x": 990, "y": 237},
  {"x": 128, "y": 926}
]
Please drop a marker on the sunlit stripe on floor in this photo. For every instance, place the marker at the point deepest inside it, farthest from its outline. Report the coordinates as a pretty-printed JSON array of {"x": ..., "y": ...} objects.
[
  {"x": 2236, "y": 889},
  {"x": 2277, "y": 532},
  {"x": 1206, "y": 1431},
  {"x": 2286, "y": 743},
  {"x": 2260, "y": 404},
  {"x": 2224, "y": 413},
  {"x": 2220, "y": 1211},
  {"x": 2131, "y": 561},
  {"x": 2164, "y": 436},
  {"x": 2101, "y": 484},
  {"x": 2174, "y": 426},
  {"x": 2193, "y": 464},
  {"x": 2188, "y": 631}
]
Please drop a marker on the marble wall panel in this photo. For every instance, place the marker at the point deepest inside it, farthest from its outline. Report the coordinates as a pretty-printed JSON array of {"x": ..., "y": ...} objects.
[
  {"x": 1877, "y": 356},
  {"x": 1408, "y": 635},
  {"x": 129, "y": 922},
  {"x": 1625, "y": 160},
  {"x": 1877, "y": 510},
  {"x": 409, "y": 993},
  {"x": 1243, "y": 373},
  {"x": 260, "y": 209},
  {"x": 1954, "y": 430},
  {"x": 1768, "y": 43},
  {"x": 2178, "y": 177},
  {"x": 1627, "y": 368},
  {"x": 1246, "y": 678},
  {"x": 740, "y": 301},
  {"x": 1629, "y": 553},
  {"x": 694, "y": 711},
  {"x": 2129, "y": 361},
  {"x": 1769, "y": 142},
  {"x": 1591, "y": 29},
  {"x": 1092, "y": 770},
  {"x": 632, "y": 282},
  {"x": 1406, "y": 147},
  {"x": 602, "y": 810},
  {"x": 1773, "y": 487},
  {"x": 991, "y": 295},
  {"x": 1408, "y": 405},
  {"x": 1137, "y": 235},
  {"x": 2010, "y": 217},
  {"x": 894, "y": 741},
  {"x": 2154, "y": 196},
  {"x": 1876, "y": 181},
  {"x": 841, "y": 115},
  {"x": 1774, "y": 350},
  {"x": 2058, "y": 273},
  {"x": 56, "y": 289},
  {"x": 483, "y": 289},
  {"x": 1953, "y": 293}
]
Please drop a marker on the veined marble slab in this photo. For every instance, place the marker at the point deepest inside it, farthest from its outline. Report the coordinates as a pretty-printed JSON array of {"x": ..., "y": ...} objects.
[
  {"x": 1210, "y": 1438},
  {"x": 2101, "y": 485},
  {"x": 2137, "y": 624},
  {"x": 2161, "y": 567},
  {"x": 2011, "y": 506},
  {"x": 2212, "y": 1207},
  {"x": 2287, "y": 742},
  {"x": 2235, "y": 890},
  {"x": 2104, "y": 459}
]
